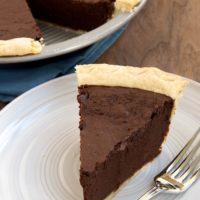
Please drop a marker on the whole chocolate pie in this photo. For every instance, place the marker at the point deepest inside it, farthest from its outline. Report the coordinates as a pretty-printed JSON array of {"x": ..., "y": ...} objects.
[
  {"x": 125, "y": 113},
  {"x": 20, "y": 35}
]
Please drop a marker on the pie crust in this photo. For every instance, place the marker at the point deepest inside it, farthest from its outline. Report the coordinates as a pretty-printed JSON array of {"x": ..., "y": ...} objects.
[
  {"x": 20, "y": 47},
  {"x": 146, "y": 78},
  {"x": 126, "y": 5}
]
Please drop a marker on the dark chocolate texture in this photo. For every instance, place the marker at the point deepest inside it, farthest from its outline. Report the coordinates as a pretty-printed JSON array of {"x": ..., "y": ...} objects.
[
  {"x": 16, "y": 20},
  {"x": 122, "y": 129},
  {"x": 76, "y": 14}
]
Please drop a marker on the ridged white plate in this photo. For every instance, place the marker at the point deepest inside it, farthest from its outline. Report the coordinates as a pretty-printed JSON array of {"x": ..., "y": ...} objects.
[
  {"x": 60, "y": 40},
  {"x": 39, "y": 145}
]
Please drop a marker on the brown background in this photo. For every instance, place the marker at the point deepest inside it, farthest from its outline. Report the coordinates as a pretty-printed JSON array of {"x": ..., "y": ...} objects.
[{"x": 166, "y": 34}]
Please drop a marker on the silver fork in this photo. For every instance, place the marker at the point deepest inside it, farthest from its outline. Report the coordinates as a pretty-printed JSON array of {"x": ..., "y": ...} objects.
[{"x": 180, "y": 174}]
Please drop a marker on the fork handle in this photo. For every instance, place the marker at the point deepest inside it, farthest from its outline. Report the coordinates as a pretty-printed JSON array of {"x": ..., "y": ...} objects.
[{"x": 151, "y": 193}]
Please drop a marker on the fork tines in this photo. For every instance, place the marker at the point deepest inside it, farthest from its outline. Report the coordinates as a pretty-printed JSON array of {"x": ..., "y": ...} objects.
[{"x": 185, "y": 163}]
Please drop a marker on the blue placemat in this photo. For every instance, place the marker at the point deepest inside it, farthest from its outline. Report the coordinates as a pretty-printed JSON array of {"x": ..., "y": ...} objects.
[{"x": 18, "y": 78}]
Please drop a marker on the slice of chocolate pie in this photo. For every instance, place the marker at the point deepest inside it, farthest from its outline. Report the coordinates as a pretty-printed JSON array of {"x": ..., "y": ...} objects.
[{"x": 125, "y": 115}]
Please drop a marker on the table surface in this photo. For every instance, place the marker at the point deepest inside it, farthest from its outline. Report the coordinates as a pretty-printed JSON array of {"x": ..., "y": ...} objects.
[{"x": 165, "y": 34}]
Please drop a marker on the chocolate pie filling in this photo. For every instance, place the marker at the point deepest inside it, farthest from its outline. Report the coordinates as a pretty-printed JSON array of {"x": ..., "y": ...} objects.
[{"x": 122, "y": 129}]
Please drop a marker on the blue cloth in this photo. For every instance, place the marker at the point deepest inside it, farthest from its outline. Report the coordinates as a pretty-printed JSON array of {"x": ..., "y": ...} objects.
[{"x": 15, "y": 79}]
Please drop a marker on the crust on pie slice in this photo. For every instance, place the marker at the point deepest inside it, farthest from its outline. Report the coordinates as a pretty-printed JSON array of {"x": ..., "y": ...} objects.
[
  {"x": 146, "y": 78},
  {"x": 20, "y": 47}
]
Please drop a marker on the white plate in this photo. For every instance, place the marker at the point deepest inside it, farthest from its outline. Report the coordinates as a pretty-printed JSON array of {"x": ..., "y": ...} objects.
[
  {"x": 60, "y": 40},
  {"x": 39, "y": 145}
]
